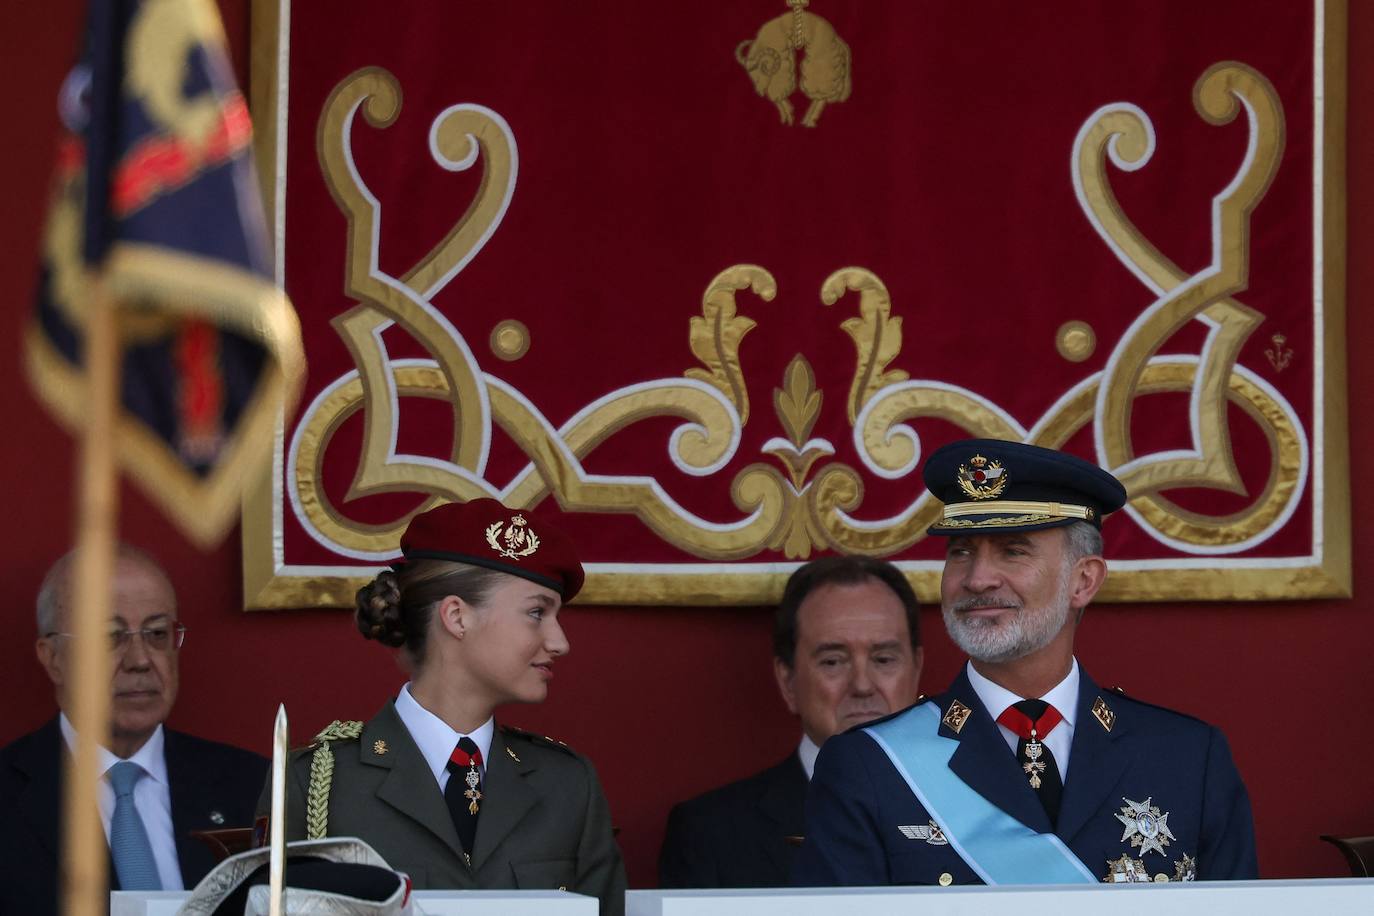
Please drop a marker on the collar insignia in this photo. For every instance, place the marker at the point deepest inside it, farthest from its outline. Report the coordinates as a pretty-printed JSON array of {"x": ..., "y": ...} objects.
[
  {"x": 956, "y": 716},
  {"x": 983, "y": 479},
  {"x": 1103, "y": 714},
  {"x": 379, "y": 747},
  {"x": 512, "y": 755},
  {"x": 514, "y": 540}
]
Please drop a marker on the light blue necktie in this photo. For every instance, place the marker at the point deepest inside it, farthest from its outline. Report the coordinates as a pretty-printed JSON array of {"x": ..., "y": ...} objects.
[{"x": 133, "y": 854}]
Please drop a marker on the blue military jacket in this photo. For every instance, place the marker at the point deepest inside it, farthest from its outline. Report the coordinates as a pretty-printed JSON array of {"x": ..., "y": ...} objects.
[{"x": 865, "y": 826}]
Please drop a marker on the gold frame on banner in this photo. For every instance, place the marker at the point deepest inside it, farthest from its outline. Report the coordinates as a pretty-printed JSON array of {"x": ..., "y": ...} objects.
[{"x": 805, "y": 515}]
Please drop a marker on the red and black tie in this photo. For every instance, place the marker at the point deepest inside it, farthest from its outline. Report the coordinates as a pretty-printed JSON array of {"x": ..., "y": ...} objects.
[
  {"x": 1031, "y": 721},
  {"x": 464, "y": 791}
]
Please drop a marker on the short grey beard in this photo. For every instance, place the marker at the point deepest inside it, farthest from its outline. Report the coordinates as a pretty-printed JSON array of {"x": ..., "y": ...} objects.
[{"x": 985, "y": 641}]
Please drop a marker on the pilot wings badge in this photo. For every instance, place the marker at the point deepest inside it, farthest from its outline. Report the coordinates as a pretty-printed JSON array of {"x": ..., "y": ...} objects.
[{"x": 931, "y": 834}]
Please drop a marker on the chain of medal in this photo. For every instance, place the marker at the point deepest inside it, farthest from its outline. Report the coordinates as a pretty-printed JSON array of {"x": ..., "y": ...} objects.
[
  {"x": 1033, "y": 766},
  {"x": 473, "y": 793}
]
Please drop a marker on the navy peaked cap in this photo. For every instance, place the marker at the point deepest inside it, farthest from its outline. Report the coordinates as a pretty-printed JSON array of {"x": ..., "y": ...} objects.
[{"x": 990, "y": 485}]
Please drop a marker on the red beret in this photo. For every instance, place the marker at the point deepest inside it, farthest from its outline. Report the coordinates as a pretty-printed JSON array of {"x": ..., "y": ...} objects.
[{"x": 485, "y": 533}]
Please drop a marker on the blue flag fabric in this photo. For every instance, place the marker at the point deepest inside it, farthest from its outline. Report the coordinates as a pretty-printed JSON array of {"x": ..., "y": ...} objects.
[{"x": 155, "y": 193}]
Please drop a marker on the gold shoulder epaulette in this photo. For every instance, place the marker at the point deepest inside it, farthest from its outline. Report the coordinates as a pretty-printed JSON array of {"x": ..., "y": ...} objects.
[{"x": 322, "y": 775}]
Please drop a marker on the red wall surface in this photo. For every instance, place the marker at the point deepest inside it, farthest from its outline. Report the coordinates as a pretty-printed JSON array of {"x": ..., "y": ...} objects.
[{"x": 671, "y": 701}]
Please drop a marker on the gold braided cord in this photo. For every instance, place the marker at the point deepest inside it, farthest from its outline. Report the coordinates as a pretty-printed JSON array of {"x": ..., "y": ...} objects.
[
  {"x": 1058, "y": 510},
  {"x": 322, "y": 775}
]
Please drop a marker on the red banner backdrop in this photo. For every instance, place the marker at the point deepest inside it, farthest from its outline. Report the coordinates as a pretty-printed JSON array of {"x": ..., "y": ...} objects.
[{"x": 709, "y": 281}]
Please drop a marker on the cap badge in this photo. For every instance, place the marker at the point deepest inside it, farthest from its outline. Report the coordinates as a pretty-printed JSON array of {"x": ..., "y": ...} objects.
[
  {"x": 1146, "y": 827},
  {"x": 956, "y": 716},
  {"x": 982, "y": 479},
  {"x": 514, "y": 540}
]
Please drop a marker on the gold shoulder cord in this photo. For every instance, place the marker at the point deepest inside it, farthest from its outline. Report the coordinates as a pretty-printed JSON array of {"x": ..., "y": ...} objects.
[{"x": 322, "y": 774}]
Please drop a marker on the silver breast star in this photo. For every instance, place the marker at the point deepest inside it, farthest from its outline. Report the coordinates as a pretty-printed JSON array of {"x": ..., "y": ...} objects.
[{"x": 1146, "y": 828}]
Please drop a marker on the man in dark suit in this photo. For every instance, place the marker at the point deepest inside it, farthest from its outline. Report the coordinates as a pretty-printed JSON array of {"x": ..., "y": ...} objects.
[
  {"x": 1025, "y": 771},
  {"x": 846, "y": 650},
  {"x": 169, "y": 783}
]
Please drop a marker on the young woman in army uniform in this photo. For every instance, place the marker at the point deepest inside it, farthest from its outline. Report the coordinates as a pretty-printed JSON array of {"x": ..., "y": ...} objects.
[{"x": 431, "y": 782}]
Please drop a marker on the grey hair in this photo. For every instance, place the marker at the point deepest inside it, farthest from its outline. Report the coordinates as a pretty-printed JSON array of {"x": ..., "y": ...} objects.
[
  {"x": 1083, "y": 540},
  {"x": 54, "y": 592}
]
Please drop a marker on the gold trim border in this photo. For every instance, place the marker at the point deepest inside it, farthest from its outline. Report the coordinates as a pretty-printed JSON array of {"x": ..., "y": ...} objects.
[
  {"x": 760, "y": 588},
  {"x": 267, "y": 588}
]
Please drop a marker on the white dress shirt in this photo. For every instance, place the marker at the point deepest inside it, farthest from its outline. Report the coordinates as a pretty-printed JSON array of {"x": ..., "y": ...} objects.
[
  {"x": 435, "y": 739},
  {"x": 152, "y": 798},
  {"x": 1063, "y": 697},
  {"x": 808, "y": 751}
]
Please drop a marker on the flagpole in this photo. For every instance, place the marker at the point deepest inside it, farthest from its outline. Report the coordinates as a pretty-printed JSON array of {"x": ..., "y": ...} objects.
[
  {"x": 277, "y": 825},
  {"x": 85, "y": 890}
]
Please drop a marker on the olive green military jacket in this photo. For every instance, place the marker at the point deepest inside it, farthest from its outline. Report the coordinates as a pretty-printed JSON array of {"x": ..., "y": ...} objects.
[{"x": 544, "y": 822}]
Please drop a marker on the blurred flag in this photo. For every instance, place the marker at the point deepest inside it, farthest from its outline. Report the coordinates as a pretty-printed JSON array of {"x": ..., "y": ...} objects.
[{"x": 155, "y": 193}]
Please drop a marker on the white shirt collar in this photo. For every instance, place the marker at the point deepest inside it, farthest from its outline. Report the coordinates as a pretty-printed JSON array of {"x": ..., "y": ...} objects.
[
  {"x": 807, "y": 751},
  {"x": 996, "y": 698},
  {"x": 433, "y": 736},
  {"x": 149, "y": 756}
]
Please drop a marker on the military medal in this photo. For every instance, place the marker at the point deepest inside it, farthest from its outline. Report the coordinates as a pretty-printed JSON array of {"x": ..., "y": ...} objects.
[
  {"x": 1032, "y": 749},
  {"x": 472, "y": 793},
  {"x": 1126, "y": 870},
  {"x": 1146, "y": 828},
  {"x": 1033, "y": 766}
]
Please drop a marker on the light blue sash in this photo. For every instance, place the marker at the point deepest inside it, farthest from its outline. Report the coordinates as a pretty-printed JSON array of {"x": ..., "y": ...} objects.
[{"x": 997, "y": 846}]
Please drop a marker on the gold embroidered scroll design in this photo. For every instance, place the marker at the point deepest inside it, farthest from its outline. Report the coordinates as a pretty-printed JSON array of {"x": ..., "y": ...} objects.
[{"x": 812, "y": 502}]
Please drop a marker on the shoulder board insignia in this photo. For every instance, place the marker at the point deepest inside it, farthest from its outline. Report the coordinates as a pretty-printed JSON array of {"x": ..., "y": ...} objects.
[
  {"x": 1120, "y": 691},
  {"x": 339, "y": 730},
  {"x": 536, "y": 738},
  {"x": 1103, "y": 714},
  {"x": 956, "y": 716}
]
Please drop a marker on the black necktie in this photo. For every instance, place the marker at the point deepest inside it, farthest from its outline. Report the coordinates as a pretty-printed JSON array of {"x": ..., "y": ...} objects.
[
  {"x": 1032, "y": 720},
  {"x": 463, "y": 793}
]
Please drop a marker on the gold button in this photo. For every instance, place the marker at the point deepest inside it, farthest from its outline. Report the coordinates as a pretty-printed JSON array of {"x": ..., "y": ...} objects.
[
  {"x": 946, "y": 879},
  {"x": 1161, "y": 878}
]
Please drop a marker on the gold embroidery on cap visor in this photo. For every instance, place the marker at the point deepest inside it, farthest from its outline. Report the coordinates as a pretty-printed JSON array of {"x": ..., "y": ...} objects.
[{"x": 1019, "y": 512}]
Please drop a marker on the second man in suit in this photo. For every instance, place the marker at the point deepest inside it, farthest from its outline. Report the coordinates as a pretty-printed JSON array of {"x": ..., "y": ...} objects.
[{"x": 846, "y": 650}]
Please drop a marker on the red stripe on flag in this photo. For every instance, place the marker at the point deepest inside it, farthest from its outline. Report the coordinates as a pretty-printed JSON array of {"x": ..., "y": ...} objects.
[{"x": 163, "y": 163}]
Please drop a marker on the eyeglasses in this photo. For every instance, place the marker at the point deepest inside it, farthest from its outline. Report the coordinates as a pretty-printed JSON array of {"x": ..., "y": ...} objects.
[{"x": 160, "y": 638}]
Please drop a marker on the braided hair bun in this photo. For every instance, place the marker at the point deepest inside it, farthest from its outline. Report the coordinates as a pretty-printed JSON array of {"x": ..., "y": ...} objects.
[{"x": 378, "y": 614}]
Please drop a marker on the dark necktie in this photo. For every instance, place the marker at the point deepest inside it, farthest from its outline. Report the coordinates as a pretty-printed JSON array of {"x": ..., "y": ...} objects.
[
  {"x": 1032, "y": 720},
  {"x": 464, "y": 792}
]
